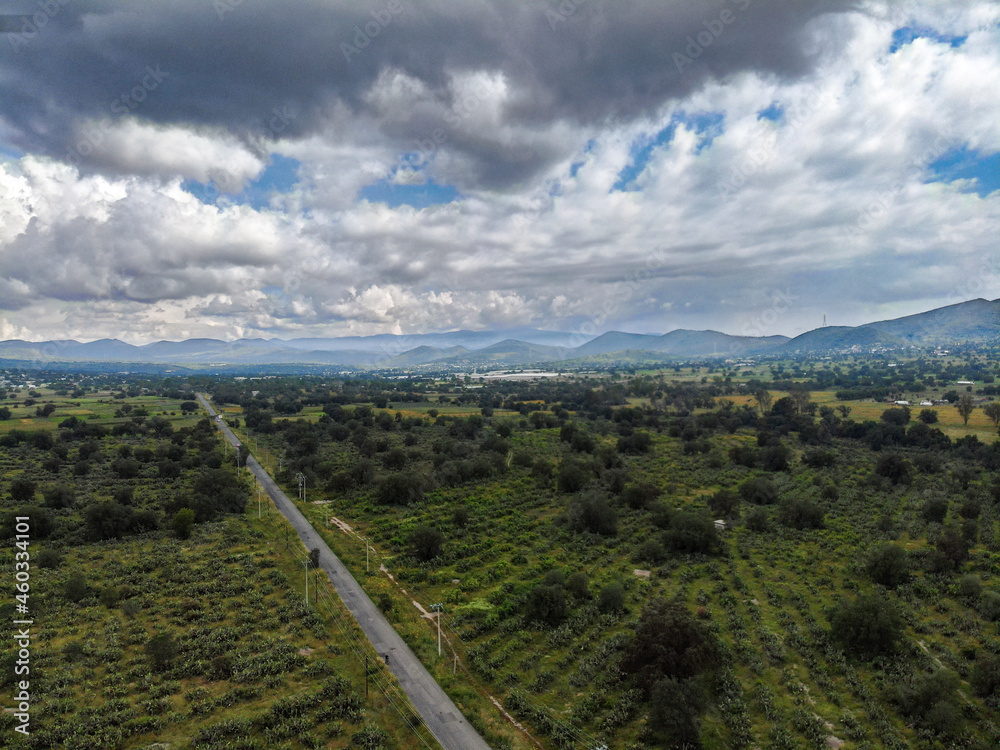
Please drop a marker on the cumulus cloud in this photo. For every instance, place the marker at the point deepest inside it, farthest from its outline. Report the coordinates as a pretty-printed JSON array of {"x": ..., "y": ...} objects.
[{"x": 603, "y": 182}]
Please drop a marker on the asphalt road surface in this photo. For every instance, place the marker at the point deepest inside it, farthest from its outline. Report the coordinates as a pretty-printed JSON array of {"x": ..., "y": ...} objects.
[{"x": 436, "y": 709}]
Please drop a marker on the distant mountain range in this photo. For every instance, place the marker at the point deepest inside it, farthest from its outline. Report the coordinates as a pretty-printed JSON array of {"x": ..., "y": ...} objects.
[{"x": 973, "y": 322}]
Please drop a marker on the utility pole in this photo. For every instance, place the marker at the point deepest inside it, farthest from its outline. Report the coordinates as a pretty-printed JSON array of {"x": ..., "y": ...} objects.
[
  {"x": 301, "y": 479},
  {"x": 258, "y": 502},
  {"x": 306, "y": 563},
  {"x": 367, "y": 547},
  {"x": 439, "y": 608}
]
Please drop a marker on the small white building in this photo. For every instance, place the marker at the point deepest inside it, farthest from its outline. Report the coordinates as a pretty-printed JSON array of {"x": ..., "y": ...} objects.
[
  {"x": 720, "y": 525},
  {"x": 902, "y": 403},
  {"x": 925, "y": 402}
]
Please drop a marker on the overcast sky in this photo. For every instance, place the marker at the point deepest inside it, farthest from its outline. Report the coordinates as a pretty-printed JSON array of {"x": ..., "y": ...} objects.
[{"x": 234, "y": 168}]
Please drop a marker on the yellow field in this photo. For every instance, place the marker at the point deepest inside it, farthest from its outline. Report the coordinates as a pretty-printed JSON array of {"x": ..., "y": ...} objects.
[{"x": 949, "y": 420}]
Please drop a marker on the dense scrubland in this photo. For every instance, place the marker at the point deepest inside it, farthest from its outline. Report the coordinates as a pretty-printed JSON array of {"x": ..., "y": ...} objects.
[
  {"x": 771, "y": 555},
  {"x": 570, "y": 530},
  {"x": 163, "y": 612}
]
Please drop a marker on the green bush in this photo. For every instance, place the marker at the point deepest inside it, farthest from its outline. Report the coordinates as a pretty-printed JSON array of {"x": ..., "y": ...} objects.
[
  {"x": 182, "y": 523},
  {"x": 888, "y": 565},
  {"x": 868, "y": 626}
]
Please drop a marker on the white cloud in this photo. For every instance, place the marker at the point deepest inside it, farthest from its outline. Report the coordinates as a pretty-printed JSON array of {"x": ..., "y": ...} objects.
[
  {"x": 831, "y": 208},
  {"x": 135, "y": 147}
]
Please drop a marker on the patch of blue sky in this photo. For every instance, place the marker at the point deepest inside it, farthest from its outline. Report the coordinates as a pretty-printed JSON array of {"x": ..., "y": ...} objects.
[
  {"x": 279, "y": 177},
  {"x": 907, "y": 34},
  {"x": 773, "y": 112},
  {"x": 418, "y": 196},
  {"x": 983, "y": 170},
  {"x": 708, "y": 125}
]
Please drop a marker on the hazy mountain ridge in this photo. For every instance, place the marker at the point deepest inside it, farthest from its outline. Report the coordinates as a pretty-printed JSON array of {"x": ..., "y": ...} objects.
[{"x": 975, "y": 321}]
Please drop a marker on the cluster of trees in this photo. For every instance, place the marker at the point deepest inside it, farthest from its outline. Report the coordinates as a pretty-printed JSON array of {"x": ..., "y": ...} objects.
[{"x": 188, "y": 461}]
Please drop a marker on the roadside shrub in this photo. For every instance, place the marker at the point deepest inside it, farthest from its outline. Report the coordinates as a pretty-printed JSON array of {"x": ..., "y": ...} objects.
[
  {"x": 426, "y": 543},
  {"x": 399, "y": 489}
]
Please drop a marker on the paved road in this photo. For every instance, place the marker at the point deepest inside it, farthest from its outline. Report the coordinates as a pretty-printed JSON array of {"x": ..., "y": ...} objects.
[{"x": 436, "y": 709}]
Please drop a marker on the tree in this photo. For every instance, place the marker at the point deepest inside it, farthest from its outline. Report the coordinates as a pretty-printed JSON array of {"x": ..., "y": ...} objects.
[
  {"x": 888, "y": 565},
  {"x": 592, "y": 512},
  {"x": 691, "y": 533},
  {"x": 724, "y": 503},
  {"x": 426, "y": 543},
  {"x": 674, "y": 715},
  {"x": 800, "y": 513},
  {"x": 992, "y": 412},
  {"x": 868, "y": 626},
  {"x": 764, "y": 400},
  {"x": 965, "y": 406},
  {"x": 400, "y": 488},
  {"x": 5, "y": 414},
  {"x": 894, "y": 467},
  {"x": 547, "y": 604},
  {"x": 578, "y": 586},
  {"x": 638, "y": 496},
  {"x": 932, "y": 701},
  {"x": 22, "y": 490},
  {"x": 759, "y": 491},
  {"x": 59, "y": 496},
  {"x": 314, "y": 557},
  {"x": 161, "y": 650},
  {"x": 928, "y": 416},
  {"x": 985, "y": 678},
  {"x": 76, "y": 588},
  {"x": 182, "y": 522},
  {"x": 669, "y": 643},
  {"x": 611, "y": 598},
  {"x": 189, "y": 407}
]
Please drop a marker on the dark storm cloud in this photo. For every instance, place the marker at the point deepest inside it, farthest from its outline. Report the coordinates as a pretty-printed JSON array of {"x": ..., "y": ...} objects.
[{"x": 234, "y": 63}]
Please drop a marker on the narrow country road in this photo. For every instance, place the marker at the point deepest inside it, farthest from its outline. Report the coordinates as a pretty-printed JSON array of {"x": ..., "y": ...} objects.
[{"x": 436, "y": 709}]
